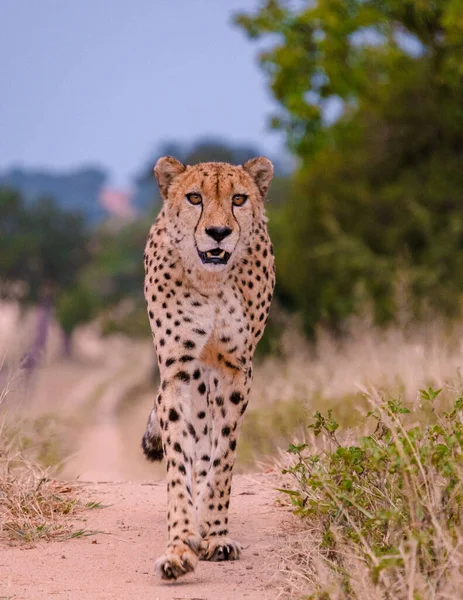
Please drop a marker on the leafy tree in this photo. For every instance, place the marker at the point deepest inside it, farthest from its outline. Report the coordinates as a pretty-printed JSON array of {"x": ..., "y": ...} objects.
[
  {"x": 216, "y": 150},
  {"x": 75, "y": 305},
  {"x": 379, "y": 184},
  {"x": 40, "y": 244},
  {"x": 42, "y": 249},
  {"x": 116, "y": 273},
  {"x": 13, "y": 238},
  {"x": 116, "y": 270}
]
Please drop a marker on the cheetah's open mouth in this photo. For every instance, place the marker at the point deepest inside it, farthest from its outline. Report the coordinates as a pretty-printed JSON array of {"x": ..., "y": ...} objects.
[{"x": 217, "y": 256}]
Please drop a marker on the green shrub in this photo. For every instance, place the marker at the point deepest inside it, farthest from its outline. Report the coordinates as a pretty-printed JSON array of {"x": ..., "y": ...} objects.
[{"x": 392, "y": 502}]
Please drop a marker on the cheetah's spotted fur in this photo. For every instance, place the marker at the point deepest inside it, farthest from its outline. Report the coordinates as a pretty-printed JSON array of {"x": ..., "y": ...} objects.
[{"x": 206, "y": 319}]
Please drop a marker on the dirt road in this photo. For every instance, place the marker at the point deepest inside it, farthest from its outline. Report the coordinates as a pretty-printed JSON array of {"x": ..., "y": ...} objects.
[{"x": 117, "y": 564}]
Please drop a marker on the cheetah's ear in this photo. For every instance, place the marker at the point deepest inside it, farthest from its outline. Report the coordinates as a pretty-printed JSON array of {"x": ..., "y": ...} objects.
[
  {"x": 166, "y": 170},
  {"x": 261, "y": 170}
]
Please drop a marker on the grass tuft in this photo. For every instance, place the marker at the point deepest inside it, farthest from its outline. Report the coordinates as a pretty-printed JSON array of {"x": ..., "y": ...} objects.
[{"x": 33, "y": 504}]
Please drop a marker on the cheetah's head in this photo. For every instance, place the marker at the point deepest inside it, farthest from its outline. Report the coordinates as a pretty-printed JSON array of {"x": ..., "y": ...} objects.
[{"x": 212, "y": 208}]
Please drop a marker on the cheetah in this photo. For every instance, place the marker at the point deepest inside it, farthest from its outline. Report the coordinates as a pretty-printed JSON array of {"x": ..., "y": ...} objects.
[{"x": 209, "y": 281}]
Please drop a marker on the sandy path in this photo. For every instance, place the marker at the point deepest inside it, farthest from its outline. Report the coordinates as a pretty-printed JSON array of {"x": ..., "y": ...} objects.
[
  {"x": 101, "y": 450},
  {"x": 120, "y": 565}
]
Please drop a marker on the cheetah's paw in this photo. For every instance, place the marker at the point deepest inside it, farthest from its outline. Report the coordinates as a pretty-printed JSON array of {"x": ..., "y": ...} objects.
[
  {"x": 220, "y": 548},
  {"x": 179, "y": 560}
]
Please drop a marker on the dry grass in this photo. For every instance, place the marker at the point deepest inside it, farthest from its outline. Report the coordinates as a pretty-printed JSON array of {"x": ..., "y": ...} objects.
[
  {"x": 310, "y": 575},
  {"x": 33, "y": 505},
  {"x": 335, "y": 372}
]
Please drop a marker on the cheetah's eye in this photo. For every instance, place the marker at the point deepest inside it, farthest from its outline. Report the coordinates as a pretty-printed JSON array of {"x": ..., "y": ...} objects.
[
  {"x": 239, "y": 199},
  {"x": 194, "y": 198}
]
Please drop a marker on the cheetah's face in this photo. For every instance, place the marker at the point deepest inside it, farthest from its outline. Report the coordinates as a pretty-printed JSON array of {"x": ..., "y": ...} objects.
[{"x": 211, "y": 207}]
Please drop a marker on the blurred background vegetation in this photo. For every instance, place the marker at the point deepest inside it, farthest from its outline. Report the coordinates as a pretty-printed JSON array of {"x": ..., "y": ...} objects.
[
  {"x": 367, "y": 217},
  {"x": 371, "y": 103}
]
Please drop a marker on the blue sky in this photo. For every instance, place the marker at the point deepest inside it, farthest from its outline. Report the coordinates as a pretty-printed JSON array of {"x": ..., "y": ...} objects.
[{"x": 107, "y": 81}]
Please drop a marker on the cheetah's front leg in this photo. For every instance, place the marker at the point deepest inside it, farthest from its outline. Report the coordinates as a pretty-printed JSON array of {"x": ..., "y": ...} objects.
[
  {"x": 228, "y": 401},
  {"x": 178, "y": 443}
]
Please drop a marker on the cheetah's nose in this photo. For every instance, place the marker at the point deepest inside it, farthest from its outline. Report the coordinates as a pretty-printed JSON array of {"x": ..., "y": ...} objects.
[{"x": 218, "y": 233}]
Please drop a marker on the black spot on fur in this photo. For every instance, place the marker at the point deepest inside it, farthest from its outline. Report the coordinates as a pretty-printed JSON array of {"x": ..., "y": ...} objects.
[
  {"x": 183, "y": 376},
  {"x": 236, "y": 397},
  {"x": 173, "y": 415},
  {"x": 186, "y": 358}
]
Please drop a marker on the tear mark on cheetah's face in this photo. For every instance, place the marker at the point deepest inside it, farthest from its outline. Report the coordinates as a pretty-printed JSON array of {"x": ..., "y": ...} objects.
[{"x": 210, "y": 210}]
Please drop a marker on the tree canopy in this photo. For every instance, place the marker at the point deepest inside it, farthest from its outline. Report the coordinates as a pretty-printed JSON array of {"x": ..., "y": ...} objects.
[
  {"x": 40, "y": 244},
  {"x": 371, "y": 102}
]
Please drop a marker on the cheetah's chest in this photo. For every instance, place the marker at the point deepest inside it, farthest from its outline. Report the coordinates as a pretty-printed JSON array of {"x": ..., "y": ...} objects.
[{"x": 226, "y": 347}]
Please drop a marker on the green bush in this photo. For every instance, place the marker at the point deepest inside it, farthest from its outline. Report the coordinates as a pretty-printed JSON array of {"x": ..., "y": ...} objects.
[{"x": 392, "y": 502}]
